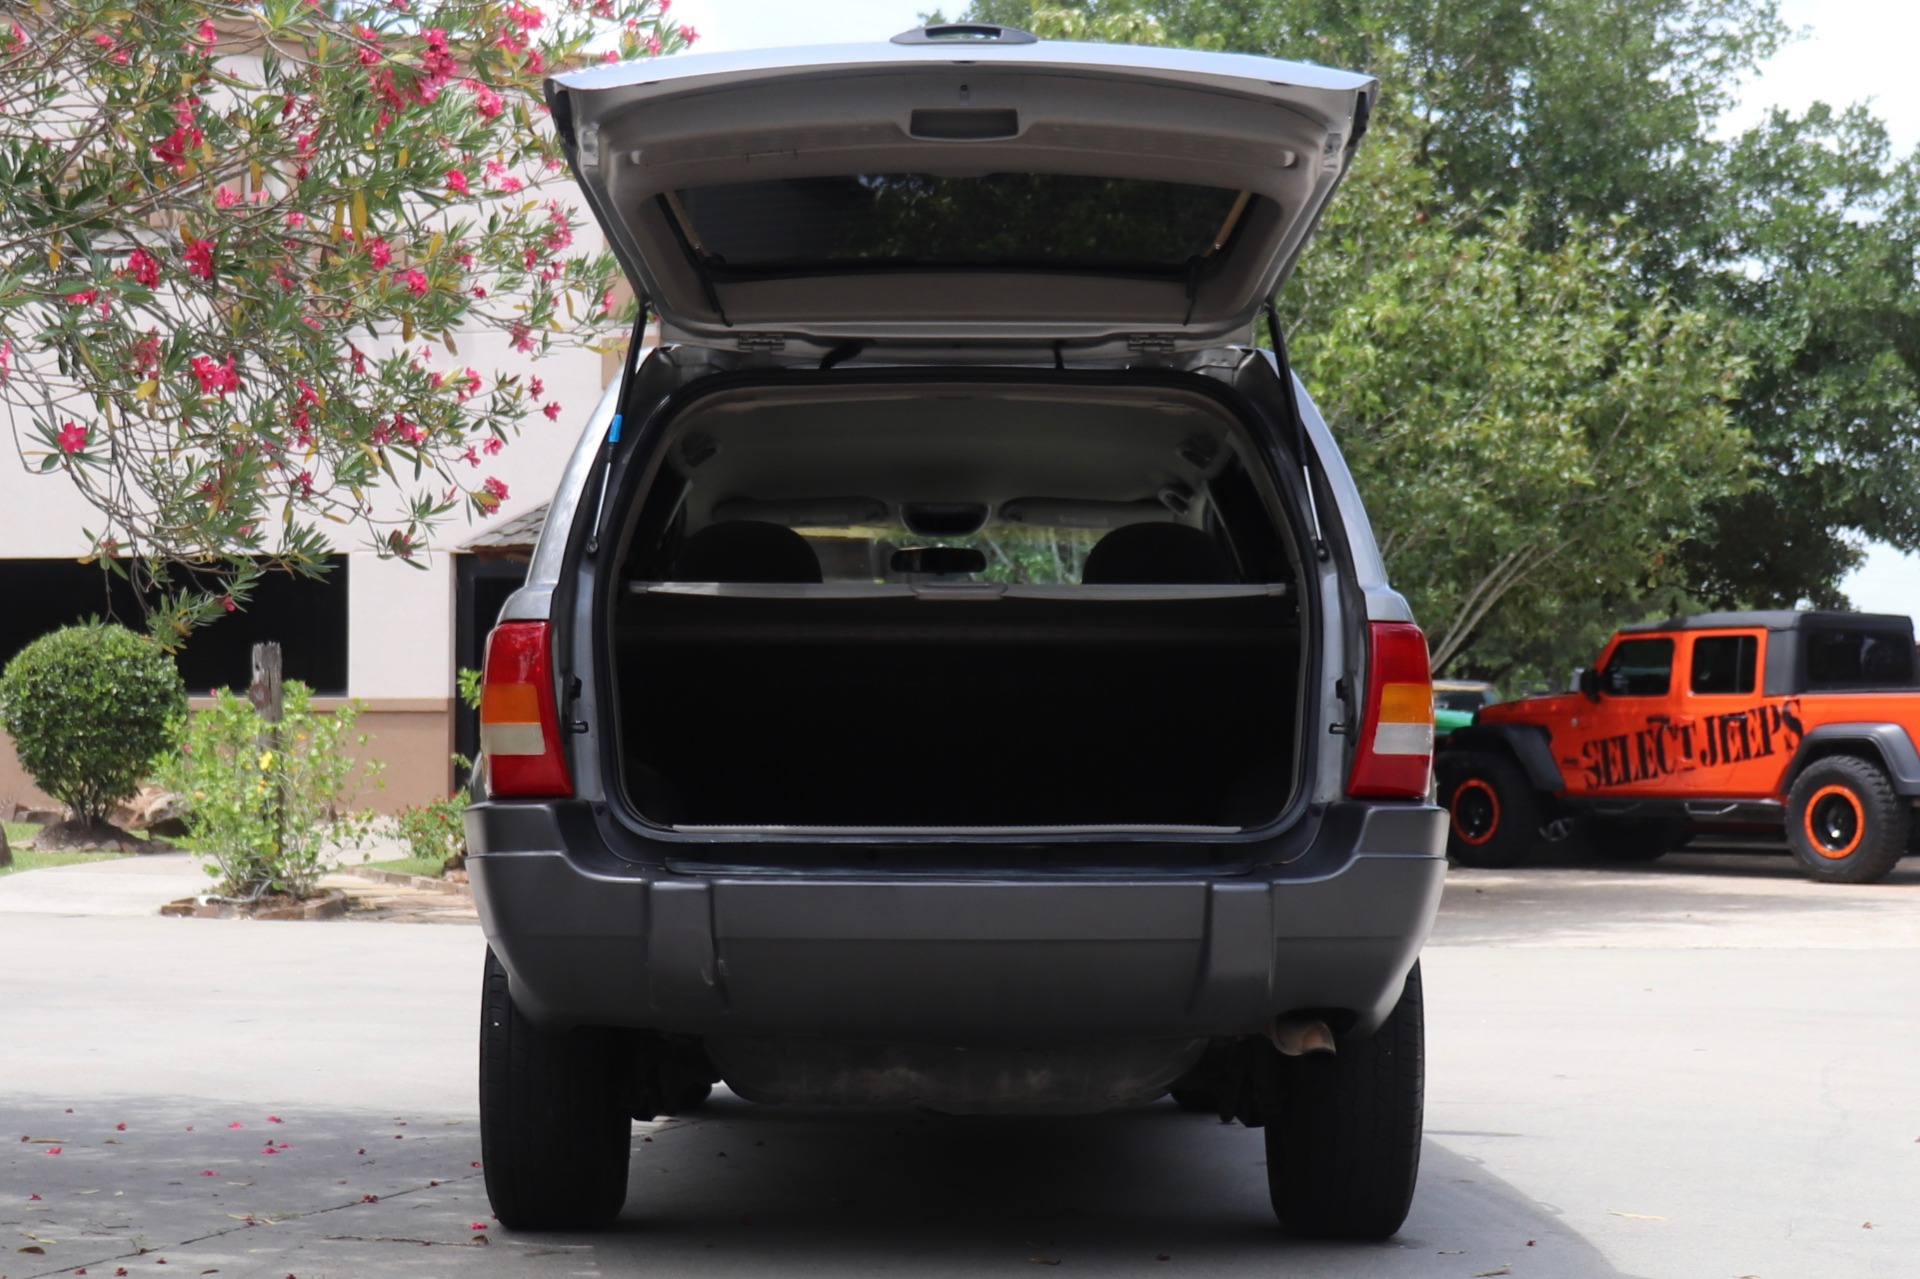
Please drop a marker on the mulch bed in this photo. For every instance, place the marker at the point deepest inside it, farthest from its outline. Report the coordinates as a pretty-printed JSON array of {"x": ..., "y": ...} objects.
[{"x": 329, "y": 904}]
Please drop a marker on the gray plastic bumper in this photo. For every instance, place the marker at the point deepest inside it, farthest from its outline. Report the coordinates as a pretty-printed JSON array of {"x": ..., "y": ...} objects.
[{"x": 1015, "y": 961}]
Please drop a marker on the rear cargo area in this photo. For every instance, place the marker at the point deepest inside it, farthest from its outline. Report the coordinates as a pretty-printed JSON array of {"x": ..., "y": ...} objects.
[
  {"x": 957, "y": 607},
  {"x": 923, "y": 712}
]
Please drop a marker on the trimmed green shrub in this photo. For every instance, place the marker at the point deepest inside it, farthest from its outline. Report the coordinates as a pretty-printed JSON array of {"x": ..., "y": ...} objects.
[{"x": 90, "y": 708}]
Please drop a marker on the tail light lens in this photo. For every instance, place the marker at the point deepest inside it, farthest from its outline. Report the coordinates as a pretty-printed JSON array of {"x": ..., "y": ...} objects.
[
  {"x": 519, "y": 725},
  {"x": 1395, "y": 755}
]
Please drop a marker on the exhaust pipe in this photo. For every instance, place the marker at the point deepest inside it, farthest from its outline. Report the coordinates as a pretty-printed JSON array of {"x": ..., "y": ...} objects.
[{"x": 1297, "y": 1036}]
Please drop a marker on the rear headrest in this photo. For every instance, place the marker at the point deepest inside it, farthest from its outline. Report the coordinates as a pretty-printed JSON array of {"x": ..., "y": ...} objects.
[
  {"x": 746, "y": 551},
  {"x": 1158, "y": 555}
]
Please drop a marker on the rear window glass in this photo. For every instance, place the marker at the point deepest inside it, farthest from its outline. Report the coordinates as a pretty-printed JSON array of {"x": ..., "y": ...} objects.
[
  {"x": 1859, "y": 659},
  {"x": 1724, "y": 663},
  {"x": 996, "y": 220},
  {"x": 1639, "y": 668}
]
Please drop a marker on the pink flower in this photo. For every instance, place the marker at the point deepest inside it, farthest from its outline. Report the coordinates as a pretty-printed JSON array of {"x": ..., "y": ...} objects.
[
  {"x": 665, "y": 5},
  {"x": 72, "y": 440},
  {"x": 522, "y": 338},
  {"x": 226, "y": 197},
  {"x": 456, "y": 182},
  {"x": 296, "y": 218},
  {"x": 144, "y": 267},
  {"x": 379, "y": 252},
  {"x": 537, "y": 388},
  {"x": 416, "y": 282},
  {"x": 552, "y": 410},
  {"x": 478, "y": 1225},
  {"x": 274, "y": 1119},
  {"x": 495, "y": 489},
  {"x": 207, "y": 33},
  {"x": 215, "y": 379},
  {"x": 208, "y": 1172},
  {"x": 81, "y": 297},
  {"x": 236, "y": 1124},
  {"x": 200, "y": 258},
  {"x": 653, "y": 45},
  {"x": 485, "y": 100},
  {"x": 226, "y": 602},
  {"x": 6, "y": 358},
  {"x": 53, "y": 1150},
  {"x": 491, "y": 446},
  {"x": 689, "y": 34}
]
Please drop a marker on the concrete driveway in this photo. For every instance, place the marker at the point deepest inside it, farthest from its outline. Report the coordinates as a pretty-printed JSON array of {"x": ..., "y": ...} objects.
[{"x": 1706, "y": 1067}]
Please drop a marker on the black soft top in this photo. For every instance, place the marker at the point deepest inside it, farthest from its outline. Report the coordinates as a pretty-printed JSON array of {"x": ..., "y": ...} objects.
[{"x": 1779, "y": 619}]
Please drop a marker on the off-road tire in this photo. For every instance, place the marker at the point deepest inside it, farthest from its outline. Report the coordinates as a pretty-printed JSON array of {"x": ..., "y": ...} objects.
[
  {"x": 1638, "y": 839},
  {"x": 1845, "y": 824},
  {"x": 1493, "y": 812},
  {"x": 1343, "y": 1150},
  {"x": 555, "y": 1134}
]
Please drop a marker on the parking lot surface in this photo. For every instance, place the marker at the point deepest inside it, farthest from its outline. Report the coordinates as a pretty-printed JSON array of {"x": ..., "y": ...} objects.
[{"x": 1702, "y": 1067}]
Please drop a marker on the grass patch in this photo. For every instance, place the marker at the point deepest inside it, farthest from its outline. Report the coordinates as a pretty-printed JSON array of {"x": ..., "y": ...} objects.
[
  {"x": 410, "y": 866},
  {"x": 19, "y": 833},
  {"x": 28, "y": 859}
]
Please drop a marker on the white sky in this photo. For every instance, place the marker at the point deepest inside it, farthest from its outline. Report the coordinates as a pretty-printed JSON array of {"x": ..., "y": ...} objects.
[{"x": 1852, "y": 50}]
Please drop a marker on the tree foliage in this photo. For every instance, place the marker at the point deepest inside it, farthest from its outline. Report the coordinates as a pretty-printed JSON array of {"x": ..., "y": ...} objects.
[
  {"x": 1527, "y": 424},
  {"x": 1588, "y": 131},
  {"x": 237, "y": 241}
]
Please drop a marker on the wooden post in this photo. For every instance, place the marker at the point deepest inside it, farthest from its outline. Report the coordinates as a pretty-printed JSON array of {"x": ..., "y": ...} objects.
[
  {"x": 269, "y": 699},
  {"x": 264, "y": 691}
]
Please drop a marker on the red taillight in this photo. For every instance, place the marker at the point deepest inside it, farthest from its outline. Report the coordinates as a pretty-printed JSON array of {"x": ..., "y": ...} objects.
[
  {"x": 1394, "y": 756},
  {"x": 519, "y": 727}
]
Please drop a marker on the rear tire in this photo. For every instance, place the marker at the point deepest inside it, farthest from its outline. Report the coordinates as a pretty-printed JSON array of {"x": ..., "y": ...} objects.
[
  {"x": 1343, "y": 1150},
  {"x": 1494, "y": 814},
  {"x": 1196, "y": 1101},
  {"x": 1845, "y": 824},
  {"x": 554, "y": 1130}
]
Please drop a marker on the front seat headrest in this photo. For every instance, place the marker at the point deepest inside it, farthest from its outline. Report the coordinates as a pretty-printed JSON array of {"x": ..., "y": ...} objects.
[
  {"x": 1157, "y": 555},
  {"x": 746, "y": 551}
]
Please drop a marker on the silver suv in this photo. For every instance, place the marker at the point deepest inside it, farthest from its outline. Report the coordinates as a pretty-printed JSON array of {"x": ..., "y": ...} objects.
[{"x": 957, "y": 671}]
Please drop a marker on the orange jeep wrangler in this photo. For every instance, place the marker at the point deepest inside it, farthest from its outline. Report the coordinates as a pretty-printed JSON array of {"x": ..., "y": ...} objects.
[{"x": 1804, "y": 719}]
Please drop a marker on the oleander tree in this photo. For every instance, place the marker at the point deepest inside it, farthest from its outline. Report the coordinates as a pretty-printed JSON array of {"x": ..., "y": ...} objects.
[{"x": 238, "y": 242}]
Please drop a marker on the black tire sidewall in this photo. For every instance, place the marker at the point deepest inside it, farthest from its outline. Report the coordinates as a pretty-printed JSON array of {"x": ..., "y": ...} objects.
[
  {"x": 1520, "y": 810},
  {"x": 1885, "y": 819}
]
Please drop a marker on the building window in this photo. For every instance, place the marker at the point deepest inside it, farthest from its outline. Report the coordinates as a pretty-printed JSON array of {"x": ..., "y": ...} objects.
[{"x": 307, "y": 616}]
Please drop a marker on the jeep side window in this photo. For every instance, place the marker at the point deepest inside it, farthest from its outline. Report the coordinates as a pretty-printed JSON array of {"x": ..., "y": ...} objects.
[
  {"x": 1843, "y": 659},
  {"x": 1724, "y": 663},
  {"x": 1639, "y": 668}
]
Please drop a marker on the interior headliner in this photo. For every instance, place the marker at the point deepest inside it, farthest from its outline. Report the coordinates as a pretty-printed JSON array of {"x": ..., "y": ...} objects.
[{"x": 950, "y": 443}]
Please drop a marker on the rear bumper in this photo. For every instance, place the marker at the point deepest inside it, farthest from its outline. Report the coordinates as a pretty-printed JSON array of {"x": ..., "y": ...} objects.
[{"x": 1029, "y": 961}]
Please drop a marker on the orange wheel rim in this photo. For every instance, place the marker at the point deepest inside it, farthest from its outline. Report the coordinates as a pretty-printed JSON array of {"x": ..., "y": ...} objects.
[
  {"x": 1475, "y": 812},
  {"x": 1834, "y": 822}
]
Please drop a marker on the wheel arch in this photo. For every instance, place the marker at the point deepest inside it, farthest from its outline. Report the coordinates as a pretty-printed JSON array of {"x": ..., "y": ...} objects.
[
  {"x": 1886, "y": 746},
  {"x": 1528, "y": 745}
]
